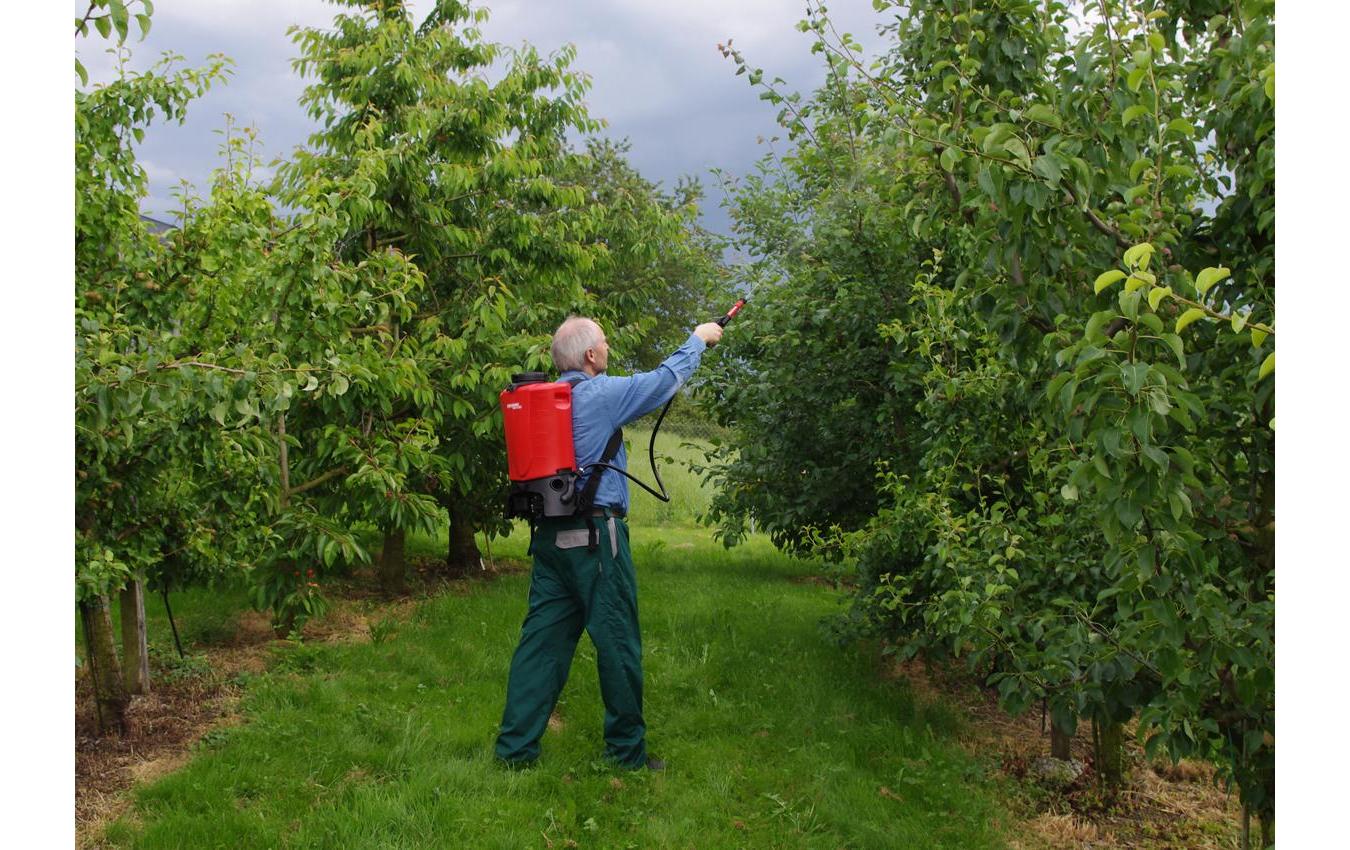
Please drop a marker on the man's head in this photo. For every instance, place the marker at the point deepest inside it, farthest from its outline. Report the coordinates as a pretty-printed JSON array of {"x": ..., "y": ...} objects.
[{"x": 580, "y": 344}]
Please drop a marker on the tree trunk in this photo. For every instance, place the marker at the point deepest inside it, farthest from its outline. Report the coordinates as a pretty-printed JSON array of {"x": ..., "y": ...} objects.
[
  {"x": 136, "y": 669},
  {"x": 1060, "y": 741},
  {"x": 462, "y": 554},
  {"x": 110, "y": 694},
  {"x": 393, "y": 570},
  {"x": 1111, "y": 754}
]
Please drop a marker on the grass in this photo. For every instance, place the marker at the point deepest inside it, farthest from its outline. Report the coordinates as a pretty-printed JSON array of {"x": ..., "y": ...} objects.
[
  {"x": 774, "y": 737},
  {"x": 689, "y": 497}
]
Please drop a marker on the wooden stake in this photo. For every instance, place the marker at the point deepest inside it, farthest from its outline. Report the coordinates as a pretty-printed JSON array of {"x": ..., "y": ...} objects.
[{"x": 135, "y": 655}]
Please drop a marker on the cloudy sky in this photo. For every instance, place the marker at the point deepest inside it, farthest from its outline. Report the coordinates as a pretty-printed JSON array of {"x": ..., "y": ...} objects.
[{"x": 657, "y": 75}]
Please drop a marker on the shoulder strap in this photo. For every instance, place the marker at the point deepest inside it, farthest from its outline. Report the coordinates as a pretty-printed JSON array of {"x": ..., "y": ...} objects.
[{"x": 587, "y": 498}]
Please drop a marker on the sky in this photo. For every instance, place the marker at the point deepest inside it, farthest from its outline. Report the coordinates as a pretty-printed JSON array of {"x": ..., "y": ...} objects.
[{"x": 658, "y": 77}]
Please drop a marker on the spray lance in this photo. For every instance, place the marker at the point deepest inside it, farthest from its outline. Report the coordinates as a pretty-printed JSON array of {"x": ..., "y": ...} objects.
[{"x": 541, "y": 458}]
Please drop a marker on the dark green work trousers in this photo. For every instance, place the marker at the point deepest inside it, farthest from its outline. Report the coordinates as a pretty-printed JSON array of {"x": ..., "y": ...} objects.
[{"x": 572, "y": 588}]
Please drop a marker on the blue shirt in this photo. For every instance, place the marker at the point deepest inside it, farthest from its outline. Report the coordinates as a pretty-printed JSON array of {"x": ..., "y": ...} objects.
[{"x": 605, "y": 403}]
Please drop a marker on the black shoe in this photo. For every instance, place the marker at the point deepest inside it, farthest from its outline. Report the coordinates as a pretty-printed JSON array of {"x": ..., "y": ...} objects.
[{"x": 655, "y": 765}]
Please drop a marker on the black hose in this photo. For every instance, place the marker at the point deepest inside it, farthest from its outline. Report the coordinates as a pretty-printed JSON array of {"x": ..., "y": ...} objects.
[
  {"x": 164, "y": 591},
  {"x": 651, "y": 456}
]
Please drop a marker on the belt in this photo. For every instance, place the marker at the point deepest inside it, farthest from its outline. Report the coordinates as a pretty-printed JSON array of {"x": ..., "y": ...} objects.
[{"x": 604, "y": 511}]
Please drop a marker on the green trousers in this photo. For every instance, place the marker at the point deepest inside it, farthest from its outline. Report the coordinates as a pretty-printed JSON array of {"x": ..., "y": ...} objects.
[{"x": 573, "y": 588}]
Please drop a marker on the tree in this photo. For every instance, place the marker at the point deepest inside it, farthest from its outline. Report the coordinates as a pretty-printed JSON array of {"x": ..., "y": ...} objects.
[
  {"x": 1070, "y": 494},
  {"x": 132, "y": 505},
  {"x": 511, "y": 229}
]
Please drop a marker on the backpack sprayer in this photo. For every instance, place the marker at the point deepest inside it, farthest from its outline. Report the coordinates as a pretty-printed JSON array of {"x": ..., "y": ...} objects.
[{"x": 540, "y": 454}]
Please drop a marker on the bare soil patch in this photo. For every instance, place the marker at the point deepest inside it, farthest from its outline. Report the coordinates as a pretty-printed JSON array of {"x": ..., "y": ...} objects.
[{"x": 1162, "y": 806}]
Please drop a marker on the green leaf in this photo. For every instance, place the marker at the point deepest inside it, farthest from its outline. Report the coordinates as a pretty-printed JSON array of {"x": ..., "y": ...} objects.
[
  {"x": 1181, "y": 415},
  {"x": 1042, "y": 113},
  {"x": 1138, "y": 256},
  {"x": 1138, "y": 280},
  {"x": 985, "y": 180},
  {"x": 1069, "y": 492},
  {"x": 1050, "y": 168},
  {"x": 1066, "y": 396},
  {"x": 1099, "y": 461},
  {"x": 949, "y": 158},
  {"x": 1133, "y": 375},
  {"x": 1267, "y": 366},
  {"x": 1157, "y": 399},
  {"x": 1135, "y": 79},
  {"x": 1239, "y": 322},
  {"x": 1208, "y": 277},
  {"x": 340, "y": 385},
  {"x": 1174, "y": 342},
  {"x": 1157, "y": 455},
  {"x": 1129, "y": 304},
  {"x": 1111, "y": 442},
  {"x": 1093, "y": 331},
  {"x": 218, "y": 412},
  {"x": 1131, "y": 113},
  {"x": 996, "y": 136},
  {"x": 1156, "y": 295},
  {"x": 1182, "y": 127},
  {"x": 103, "y": 25},
  {"x": 1189, "y": 316},
  {"x": 1056, "y": 383},
  {"x": 84, "y": 75},
  {"x": 1155, "y": 40},
  {"x": 1018, "y": 149},
  {"x": 1105, "y": 279},
  {"x": 118, "y": 10},
  {"x": 1258, "y": 337}
]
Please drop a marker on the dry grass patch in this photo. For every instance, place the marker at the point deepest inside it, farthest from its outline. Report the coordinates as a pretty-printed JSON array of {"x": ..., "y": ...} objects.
[{"x": 1163, "y": 805}]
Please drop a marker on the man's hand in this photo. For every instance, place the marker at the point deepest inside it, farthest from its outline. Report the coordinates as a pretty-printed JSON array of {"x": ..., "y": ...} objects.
[{"x": 709, "y": 332}]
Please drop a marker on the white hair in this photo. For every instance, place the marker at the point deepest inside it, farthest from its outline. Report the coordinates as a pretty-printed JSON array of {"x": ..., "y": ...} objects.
[{"x": 571, "y": 340}]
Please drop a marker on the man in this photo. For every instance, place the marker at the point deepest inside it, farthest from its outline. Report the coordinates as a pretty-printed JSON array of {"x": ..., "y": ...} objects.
[{"x": 574, "y": 586}]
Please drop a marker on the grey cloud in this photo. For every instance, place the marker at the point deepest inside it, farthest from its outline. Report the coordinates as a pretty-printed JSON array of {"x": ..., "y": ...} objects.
[{"x": 657, "y": 76}]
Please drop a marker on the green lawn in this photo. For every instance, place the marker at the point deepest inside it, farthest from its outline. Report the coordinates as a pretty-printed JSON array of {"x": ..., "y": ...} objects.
[
  {"x": 774, "y": 737},
  {"x": 689, "y": 498}
]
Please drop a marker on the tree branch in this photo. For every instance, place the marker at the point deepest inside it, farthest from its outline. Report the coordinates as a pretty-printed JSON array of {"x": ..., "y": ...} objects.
[
  {"x": 285, "y": 458},
  {"x": 315, "y": 482},
  {"x": 88, "y": 15},
  {"x": 1097, "y": 222},
  {"x": 200, "y": 365}
]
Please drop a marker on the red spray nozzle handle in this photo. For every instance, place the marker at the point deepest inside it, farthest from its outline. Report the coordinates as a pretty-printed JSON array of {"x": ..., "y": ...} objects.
[{"x": 735, "y": 308}]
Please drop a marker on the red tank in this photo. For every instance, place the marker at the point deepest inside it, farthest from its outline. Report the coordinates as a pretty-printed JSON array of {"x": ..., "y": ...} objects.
[{"x": 538, "y": 420}]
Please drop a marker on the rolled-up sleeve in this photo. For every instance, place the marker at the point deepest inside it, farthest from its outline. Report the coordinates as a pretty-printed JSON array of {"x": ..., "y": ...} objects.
[{"x": 637, "y": 395}]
